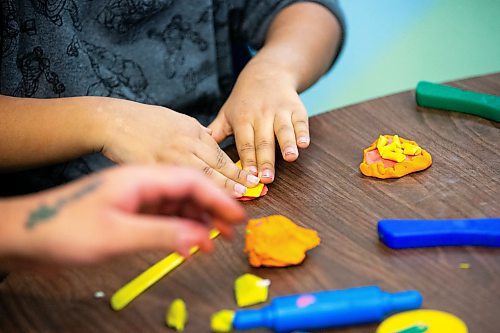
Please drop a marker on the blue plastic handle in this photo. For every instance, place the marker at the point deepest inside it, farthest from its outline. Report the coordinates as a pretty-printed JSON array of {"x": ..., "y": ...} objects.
[{"x": 401, "y": 234}]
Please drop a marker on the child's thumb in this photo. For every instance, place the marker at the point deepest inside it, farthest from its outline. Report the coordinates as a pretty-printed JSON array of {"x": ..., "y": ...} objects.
[{"x": 220, "y": 127}]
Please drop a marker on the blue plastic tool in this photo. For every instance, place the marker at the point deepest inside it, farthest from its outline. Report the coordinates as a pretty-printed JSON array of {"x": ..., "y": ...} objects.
[
  {"x": 401, "y": 234},
  {"x": 324, "y": 309}
]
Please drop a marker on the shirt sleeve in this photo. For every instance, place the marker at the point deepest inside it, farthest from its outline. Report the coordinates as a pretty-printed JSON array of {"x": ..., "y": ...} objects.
[{"x": 251, "y": 19}]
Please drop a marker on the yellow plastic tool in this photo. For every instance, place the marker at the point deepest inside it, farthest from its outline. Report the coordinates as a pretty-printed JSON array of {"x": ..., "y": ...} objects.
[
  {"x": 126, "y": 294},
  {"x": 420, "y": 321}
]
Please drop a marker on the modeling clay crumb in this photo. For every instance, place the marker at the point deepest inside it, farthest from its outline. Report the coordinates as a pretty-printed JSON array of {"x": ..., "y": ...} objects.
[
  {"x": 464, "y": 265},
  {"x": 382, "y": 141},
  {"x": 276, "y": 241},
  {"x": 250, "y": 289},
  {"x": 222, "y": 321},
  {"x": 177, "y": 315},
  {"x": 393, "y": 157},
  {"x": 409, "y": 149},
  {"x": 396, "y": 141}
]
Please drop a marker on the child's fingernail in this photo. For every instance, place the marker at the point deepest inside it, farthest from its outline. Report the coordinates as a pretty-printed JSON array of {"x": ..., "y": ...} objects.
[
  {"x": 267, "y": 174},
  {"x": 252, "y": 179},
  {"x": 303, "y": 139},
  {"x": 240, "y": 189},
  {"x": 252, "y": 169},
  {"x": 291, "y": 151}
]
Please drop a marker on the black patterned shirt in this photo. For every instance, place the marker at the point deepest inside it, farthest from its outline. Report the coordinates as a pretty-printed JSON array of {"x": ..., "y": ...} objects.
[{"x": 182, "y": 54}]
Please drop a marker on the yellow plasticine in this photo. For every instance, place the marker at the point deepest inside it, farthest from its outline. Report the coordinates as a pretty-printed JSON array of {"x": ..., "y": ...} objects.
[
  {"x": 250, "y": 290},
  {"x": 393, "y": 156},
  {"x": 177, "y": 315},
  {"x": 383, "y": 149},
  {"x": 382, "y": 141},
  {"x": 222, "y": 321},
  {"x": 390, "y": 147},
  {"x": 410, "y": 149},
  {"x": 396, "y": 141},
  {"x": 253, "y": 192}
]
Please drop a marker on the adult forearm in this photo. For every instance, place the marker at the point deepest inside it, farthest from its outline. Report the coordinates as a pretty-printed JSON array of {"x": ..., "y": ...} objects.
[
  {"x": 302, "y": 42},
  {"x": 36, "y": 132},
  {"x": 11, "y": 231}
]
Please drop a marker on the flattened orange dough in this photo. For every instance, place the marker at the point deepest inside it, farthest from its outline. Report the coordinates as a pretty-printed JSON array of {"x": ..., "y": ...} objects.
[
  {"x": 374, "y": 165},
  {"x": 276, "y": 241}
]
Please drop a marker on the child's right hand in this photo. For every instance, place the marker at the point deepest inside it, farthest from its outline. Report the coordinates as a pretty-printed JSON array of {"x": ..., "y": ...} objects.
[{"x": 135, "y": 133}]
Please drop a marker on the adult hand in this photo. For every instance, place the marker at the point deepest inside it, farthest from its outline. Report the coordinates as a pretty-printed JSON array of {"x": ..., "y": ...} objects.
[{"x": 122, "y": 210}]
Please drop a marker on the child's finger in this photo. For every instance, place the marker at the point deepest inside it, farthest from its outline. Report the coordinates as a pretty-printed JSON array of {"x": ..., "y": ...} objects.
[
  {"x": 208, "y": 130},
  {"x": 217, "y": 159},
  {"x": 300, "y": 122},
  {"x": 246, "y": 148},
  {"x": 220, "y": 128},
  {"x": 285, "y": 133},
  {"x": 264, "y": 144},
  {"x": 234, "y": 188}
]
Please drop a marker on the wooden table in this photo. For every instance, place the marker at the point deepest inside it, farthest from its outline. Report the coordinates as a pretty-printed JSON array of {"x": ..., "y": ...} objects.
[{"x": 324, "y": 190}]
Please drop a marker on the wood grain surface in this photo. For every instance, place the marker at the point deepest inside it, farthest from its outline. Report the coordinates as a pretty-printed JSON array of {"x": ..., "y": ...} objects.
[{"x": 323, "y": 190}]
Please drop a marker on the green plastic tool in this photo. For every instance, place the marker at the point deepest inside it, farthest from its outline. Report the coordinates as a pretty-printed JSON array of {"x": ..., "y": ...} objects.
[{"x": 438, "y": 96}]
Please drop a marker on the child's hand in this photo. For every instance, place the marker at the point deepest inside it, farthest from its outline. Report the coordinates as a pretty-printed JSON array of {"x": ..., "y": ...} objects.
[
  {"x": 118, "y": 211},
  {"x": 138, "y": 133},
  {"x": 263, "y": 104}
]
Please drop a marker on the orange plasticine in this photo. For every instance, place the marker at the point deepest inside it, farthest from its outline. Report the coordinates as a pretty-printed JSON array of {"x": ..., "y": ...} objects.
[
  {"x": 374, "y": 165},
  {"x": 276, "y": 241}
]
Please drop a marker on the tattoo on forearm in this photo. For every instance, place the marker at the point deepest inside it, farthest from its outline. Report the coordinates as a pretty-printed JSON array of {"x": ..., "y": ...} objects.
[{"x": 45, "y": 212}]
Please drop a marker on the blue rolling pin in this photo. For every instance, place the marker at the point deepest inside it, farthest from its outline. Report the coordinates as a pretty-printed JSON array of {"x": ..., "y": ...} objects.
[
  {"x": 324, "y": 309},
  {"x": 401, "y": 234}
]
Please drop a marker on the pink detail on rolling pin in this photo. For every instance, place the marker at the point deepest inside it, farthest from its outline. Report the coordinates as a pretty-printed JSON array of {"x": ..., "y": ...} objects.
[{"x": 305, "y": 300}]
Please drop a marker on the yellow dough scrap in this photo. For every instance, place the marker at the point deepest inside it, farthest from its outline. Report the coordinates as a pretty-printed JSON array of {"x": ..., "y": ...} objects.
[
  {"x": 382, "y": 141},
  {"x": 250, "y": 290},
  {"x": 222, "y": 321},
  {"x": 410, "y": 149},
  {"x": 393, "y": 156},
  {"x": 396, "y": 141},
  {"x": 177, "y": 315}
]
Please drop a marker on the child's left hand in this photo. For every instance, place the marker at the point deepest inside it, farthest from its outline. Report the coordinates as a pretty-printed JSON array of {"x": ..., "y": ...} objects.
[{"x": 264, "y": 103}]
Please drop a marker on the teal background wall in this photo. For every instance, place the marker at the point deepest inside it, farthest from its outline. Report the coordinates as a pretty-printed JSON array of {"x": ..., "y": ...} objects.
[{"x": 393, "y": 44}]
